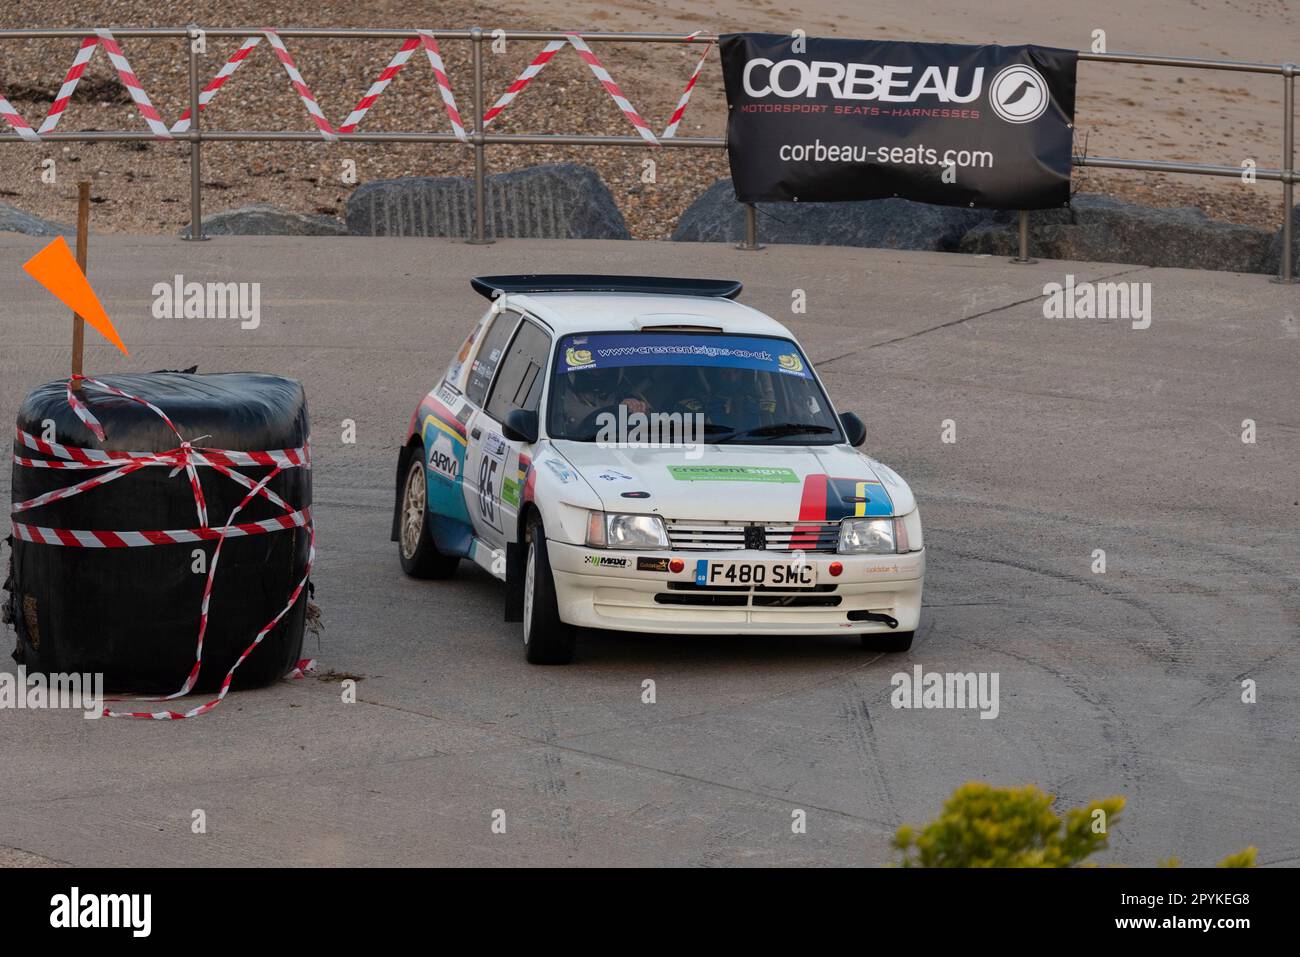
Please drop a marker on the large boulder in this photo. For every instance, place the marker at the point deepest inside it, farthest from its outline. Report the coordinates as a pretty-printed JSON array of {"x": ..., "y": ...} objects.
[
  {"x": 717, "y": 217},
  {"x": 264, "y": 219},
  {"x": 14, "y": 220},
  {"x": 558, "y": 201},
  {"x": 1273, "y": 264},
  {"x": 1102, "y": 229}
]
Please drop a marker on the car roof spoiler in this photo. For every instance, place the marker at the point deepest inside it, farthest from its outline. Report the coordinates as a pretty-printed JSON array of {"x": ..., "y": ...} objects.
[{"x": 490, "y": 287}]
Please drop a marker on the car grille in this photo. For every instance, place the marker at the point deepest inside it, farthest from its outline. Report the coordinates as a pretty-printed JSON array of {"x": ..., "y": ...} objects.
[{"x": 780, "y": 537}]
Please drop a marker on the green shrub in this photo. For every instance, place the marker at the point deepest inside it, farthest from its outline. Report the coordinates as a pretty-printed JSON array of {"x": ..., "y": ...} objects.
[{"x": 984, "y": 826}]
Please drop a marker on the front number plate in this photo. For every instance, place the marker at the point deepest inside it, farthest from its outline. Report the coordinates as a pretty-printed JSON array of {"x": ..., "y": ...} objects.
[{"x": 752, "y": 574}]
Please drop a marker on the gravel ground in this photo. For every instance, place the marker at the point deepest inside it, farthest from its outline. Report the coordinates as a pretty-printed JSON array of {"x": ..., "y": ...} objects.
[{"x": 144, "y": 187}]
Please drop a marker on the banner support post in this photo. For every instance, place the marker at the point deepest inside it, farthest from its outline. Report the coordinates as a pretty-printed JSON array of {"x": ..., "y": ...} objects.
[
  {"x": 1286, "y": 273},
  {"x": 480, "y": 237},
  {"x": 750, "y": 242},
  {"x": 1023, "y": 256}
]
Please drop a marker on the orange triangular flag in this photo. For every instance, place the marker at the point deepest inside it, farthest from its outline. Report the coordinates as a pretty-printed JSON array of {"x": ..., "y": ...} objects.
[{"x": 55, "y": 268}]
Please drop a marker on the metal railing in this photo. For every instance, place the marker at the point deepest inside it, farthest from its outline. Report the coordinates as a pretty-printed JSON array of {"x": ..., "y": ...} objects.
[
  {"x": 1285, "y": 174},
  {"x": 478, "y": 139}
]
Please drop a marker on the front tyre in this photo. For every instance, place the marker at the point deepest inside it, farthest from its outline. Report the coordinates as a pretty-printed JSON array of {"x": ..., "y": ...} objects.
[
  {"x": 547, "y": 639},
  {"x": 419, "y": 555}
]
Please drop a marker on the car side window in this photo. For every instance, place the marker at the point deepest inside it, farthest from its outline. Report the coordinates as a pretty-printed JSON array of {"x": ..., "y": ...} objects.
[
  {"x": 489, "y": 356},
  {"x": 519, "y": 383}
]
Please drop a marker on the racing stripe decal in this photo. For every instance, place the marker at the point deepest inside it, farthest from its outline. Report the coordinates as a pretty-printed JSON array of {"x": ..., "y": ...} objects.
[
  {"x": 812, "y": 507},
  {"x": 827, "y": 499},
  {"x": 454, "y": 434},
  {"x": 870, "y": 498},
  {"x": 447, "y": 417}
]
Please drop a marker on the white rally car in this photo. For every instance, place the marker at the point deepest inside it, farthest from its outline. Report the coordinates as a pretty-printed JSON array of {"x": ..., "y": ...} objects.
[{"x": 647, "y": 454}]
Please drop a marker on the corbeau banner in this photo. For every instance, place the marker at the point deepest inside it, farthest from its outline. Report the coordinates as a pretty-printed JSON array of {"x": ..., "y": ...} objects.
[{"x": 945, "y": 123}]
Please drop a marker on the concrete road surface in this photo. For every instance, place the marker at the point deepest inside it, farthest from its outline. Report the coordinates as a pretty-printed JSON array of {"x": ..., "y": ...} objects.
[{"x": 1071, "y": 436}]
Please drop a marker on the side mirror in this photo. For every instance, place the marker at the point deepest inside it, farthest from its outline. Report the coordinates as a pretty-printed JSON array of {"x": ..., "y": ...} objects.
[
  {"x": 521, "y": 426},
  {"x": 854, "y": 430}
]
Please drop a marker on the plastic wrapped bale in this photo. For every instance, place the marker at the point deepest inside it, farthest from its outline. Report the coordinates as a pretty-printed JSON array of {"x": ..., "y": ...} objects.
[{"x": 112, "y": 578}]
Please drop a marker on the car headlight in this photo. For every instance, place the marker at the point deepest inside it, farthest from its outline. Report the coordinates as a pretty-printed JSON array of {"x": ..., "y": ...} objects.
[
  {"x": 617, "y": 530},
  {"x": 869, "y": 536}
]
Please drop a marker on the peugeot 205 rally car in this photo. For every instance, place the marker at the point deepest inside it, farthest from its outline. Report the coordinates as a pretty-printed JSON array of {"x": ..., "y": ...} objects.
[{"x": 647, "y": 454}]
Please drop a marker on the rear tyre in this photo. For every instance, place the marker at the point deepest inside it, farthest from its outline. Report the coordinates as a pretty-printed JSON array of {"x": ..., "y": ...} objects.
[
  {"x": 419, "y": 555},
  {"x": 547, "y": 639},
  {"x": 894, "y": 641}
]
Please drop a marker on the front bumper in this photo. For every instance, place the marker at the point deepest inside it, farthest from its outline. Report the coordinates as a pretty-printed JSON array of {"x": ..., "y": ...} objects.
[{"x": 618, "y": 596}]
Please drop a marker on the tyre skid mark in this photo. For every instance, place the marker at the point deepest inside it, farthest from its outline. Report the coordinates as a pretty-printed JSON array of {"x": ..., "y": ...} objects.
[
  {"x": 1175, "y": 640},
  {"x": 1114, "y": 729},
  {"x": 857, "y": 716},
  {"x": 551, "y": 784}
]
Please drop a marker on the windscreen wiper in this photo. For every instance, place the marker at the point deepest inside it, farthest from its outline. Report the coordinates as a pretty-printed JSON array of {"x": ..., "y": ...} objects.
[
  {"x": 709, "y": 428},
  {"x": 780, "y": 429}
]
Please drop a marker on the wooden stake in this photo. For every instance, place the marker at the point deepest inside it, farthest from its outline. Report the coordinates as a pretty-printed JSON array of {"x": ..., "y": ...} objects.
[{"x": 83, "y": 230}]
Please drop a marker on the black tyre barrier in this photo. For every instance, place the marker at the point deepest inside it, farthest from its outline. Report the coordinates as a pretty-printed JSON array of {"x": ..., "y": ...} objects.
[{"x": 92, "y": 604}]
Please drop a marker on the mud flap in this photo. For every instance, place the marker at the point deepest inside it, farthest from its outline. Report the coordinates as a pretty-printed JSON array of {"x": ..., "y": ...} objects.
[
  {"x": 403, "y": 463},
  {"x": 516, "y": 553}
]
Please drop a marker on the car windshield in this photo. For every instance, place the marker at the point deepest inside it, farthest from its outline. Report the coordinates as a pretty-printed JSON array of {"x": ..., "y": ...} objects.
[{"x": 686, "y": 387}]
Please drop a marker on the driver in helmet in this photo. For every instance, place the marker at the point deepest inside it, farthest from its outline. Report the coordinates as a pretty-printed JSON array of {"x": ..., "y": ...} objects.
[
  {"x": 734, "y": 396},
  {"x": 596, "y": 389}
]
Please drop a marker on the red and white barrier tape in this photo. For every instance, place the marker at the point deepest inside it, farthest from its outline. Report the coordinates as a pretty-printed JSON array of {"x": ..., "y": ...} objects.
[
  {"x": 20, "y": 126},
  {"x": 94, "y": 458},
  {"x": 305, "y": 94},
  {"x": 84, "y": 53},
  {"x": 444, "y": 85},
  {"x": 103, "y": 539},
  {"x": 70, "y": 490},
  {"x": 524, "y": 79},
  {"x": 300, "y": 669},
  {"x": 185, "y": 456},
  {"x": 128, "y": 77},
  {"x": 423, "y": 38},
  {"x": 671, "y": 130},
  {"x": 15, "y": 120},
  {"x": 598, "y": 69},
  {"x": 612, "y": 88},
  {"x": 205, "y": 96},
  {"x": 84, "y": 414},
  {"x": 120, "y": 63},
  {"x": 381, "y": 83}
]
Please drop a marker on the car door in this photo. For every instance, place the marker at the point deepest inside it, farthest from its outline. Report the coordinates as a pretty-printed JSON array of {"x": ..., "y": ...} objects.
[
  {"x": 496, "y": 466},
  {"x": 480, "y": 479}
]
